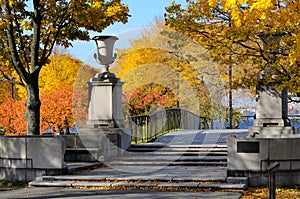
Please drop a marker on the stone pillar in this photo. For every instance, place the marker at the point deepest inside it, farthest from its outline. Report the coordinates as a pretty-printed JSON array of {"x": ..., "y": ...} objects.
[
  {"x": 271, "y": 113},
  {"x": 105, "y": 134},
  {"x": 105, "y": 101}
]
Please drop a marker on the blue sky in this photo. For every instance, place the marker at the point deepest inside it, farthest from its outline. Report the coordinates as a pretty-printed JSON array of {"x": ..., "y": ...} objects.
[{"x": 143, "y": 13}]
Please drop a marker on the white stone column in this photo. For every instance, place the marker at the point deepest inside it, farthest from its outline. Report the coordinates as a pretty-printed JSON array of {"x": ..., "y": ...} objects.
[
  {"x": 105, "y": 101},
  {"x": 271, "y": 113}
]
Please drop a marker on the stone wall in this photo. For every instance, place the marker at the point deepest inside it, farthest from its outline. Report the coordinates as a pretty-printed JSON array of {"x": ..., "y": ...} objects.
[
  {"x": 97, "y": 144},
  {"x": 251, "y": 157},
  {"x": 28, "y": 157}
]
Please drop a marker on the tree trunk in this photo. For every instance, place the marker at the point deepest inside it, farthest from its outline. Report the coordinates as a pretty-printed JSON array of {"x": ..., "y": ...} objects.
[{"x": 33, "y": 105}]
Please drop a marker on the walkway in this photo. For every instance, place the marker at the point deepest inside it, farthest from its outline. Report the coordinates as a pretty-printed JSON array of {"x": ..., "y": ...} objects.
[
  {"x": 200, "y": 137},
  {"x": 186, "y": 160},
  {"x": 66, "y": 193}
]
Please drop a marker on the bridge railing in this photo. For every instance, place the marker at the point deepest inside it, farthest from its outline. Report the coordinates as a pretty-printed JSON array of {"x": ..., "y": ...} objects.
[
  {"x": 145, "y": 128},
  {"x": 295, "y": 122}
]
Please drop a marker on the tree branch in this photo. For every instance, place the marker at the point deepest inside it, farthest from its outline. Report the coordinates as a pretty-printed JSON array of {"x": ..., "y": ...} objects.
[
  {"x": 47, "y": 53},
  {"x": 35, "y": 46},
  {"x": 19, "y": 32},
  {"x": 17, "y": 64},
  {"x": 12, "y": 80}
]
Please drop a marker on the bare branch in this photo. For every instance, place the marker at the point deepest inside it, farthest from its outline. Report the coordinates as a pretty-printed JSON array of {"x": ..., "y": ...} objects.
[
  {"x": 35, "y": 45},
  {"x": 47, "y": 53},
  {"x": 12, "y": 80},
  {"x": 19, "y": 32},
  {"x": 17, "y": 64}
]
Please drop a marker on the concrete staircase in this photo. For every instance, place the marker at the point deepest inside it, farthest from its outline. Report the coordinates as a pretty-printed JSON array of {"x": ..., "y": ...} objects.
[
  {"x": 174, "y": 155},
  {"x": 157, "y": 166}
]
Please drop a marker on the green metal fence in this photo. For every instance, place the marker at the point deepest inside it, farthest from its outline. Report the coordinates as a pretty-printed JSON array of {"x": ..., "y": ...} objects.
[{"x": 145, "y": 128}]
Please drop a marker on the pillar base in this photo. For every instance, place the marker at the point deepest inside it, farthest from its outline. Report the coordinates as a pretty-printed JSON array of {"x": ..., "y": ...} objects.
[
  {"x": 251, "y": 157},
  {"x": 271, "y": 131}
]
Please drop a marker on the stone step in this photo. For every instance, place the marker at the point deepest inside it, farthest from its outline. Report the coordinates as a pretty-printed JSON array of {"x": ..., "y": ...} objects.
[
  {"x": 132, "y": 178},
  {"x": 238, "y": 180},
  {"x": 176, "y": 153},
  {"x": 162, "y": 145},
  {"x": 168, "y": 148},
  {"x": 171, "y": 158},
  {"x": 79, "y": 166},
  {"x": 128, "y": 185},
  {"x": 171, "y": 163},
  {"x": 81, "y": 154}
]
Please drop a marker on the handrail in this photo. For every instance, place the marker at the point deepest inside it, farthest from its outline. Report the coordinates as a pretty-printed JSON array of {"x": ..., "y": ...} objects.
[{"x": 145, "y": 128}]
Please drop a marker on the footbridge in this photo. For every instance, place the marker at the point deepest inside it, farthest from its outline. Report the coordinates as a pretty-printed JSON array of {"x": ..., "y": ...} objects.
[
  {"x": 171, "y": 149},
  {"x": 145, "y": 128}
]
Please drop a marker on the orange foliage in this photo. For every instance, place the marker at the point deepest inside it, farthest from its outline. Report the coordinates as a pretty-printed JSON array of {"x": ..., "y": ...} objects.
[
  {"x": 56, "y": 109},
  {"x": 56, "y": 112},
  {"x": 12, "y": 117},
  {"x": 150, "y": 98}
]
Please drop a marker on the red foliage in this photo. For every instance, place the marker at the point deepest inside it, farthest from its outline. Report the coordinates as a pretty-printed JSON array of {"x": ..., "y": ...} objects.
[
  {"x": 12, "y": 118},
  {"x": 149, "y": 98},
  {"x": 56, "y": 112},
  {"x": 56, "y": 109}
]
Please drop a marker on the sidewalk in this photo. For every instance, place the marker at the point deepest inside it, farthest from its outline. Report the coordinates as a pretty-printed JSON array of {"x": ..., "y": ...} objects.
[
  {"x": 202, "y": 137},
  {"x": 208, "y": 137},
  {"x": 65, "y": 193}
]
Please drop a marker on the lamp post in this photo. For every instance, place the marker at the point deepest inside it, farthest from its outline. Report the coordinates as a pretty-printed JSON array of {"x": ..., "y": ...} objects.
[
  {"x": 12, "y": 89},
  {"x": 230, "y": 97}
]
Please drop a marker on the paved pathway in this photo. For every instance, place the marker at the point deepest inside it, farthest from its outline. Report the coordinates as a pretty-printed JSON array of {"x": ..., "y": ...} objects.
[
  {"x": 65, "y": 193},
  {"x": 161, "y": 174},
  {"x": 196, "y": 137}
]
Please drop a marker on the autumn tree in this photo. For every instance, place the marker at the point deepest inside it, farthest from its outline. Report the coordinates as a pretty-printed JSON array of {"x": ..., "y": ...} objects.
[
  {"x": 62, "y": 69},
  {"x": 7, "y": 90},
  {"x": 7, "y": 86},
  {"x": 253, "y": 37},
  {"x": 150, "y": 98},
  {"x": 30, "y": 30},
  {"x": 12, "y": 120},
  {"x": 64, "y": 100},
  {"x": 165, "y": 57},
  {"x": 56, "y": 112},
  {"x": 56, "y": 109}
]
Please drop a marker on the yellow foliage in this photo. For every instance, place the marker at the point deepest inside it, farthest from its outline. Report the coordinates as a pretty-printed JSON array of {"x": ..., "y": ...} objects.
[
  {"x": 212, "y": 3},
  {"x": 169, "y": 58},
  {"x": 250, "y": 35},
  {"x": 50, "y": 23},
  {"x": 62, "y": 69}
]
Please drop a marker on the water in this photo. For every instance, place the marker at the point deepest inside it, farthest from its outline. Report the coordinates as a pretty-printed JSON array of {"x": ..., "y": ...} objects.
[{"x": 247, "y": 122}]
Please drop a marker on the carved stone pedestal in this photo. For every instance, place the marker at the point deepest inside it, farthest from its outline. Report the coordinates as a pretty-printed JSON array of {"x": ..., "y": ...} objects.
[
  {"x": 105, "y": 101},
  {"x": 270, "y": 140},
  {"x": 271, "y": 113}
]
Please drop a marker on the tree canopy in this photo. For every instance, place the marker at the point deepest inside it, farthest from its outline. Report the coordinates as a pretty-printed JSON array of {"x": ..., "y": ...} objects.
[
  {"x": 150, "y": 98},
  {"x": 30, "y": 30},
  {"x": 64, "y": 102},
  {"x": 170, "y": 59},
  {"x": 250, "y": 35}
]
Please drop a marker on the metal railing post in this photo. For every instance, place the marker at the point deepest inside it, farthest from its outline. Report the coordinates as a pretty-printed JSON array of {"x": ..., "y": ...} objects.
[
  {"x": 272, "y": 179},
  {"x": 148, "y": 127}
]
